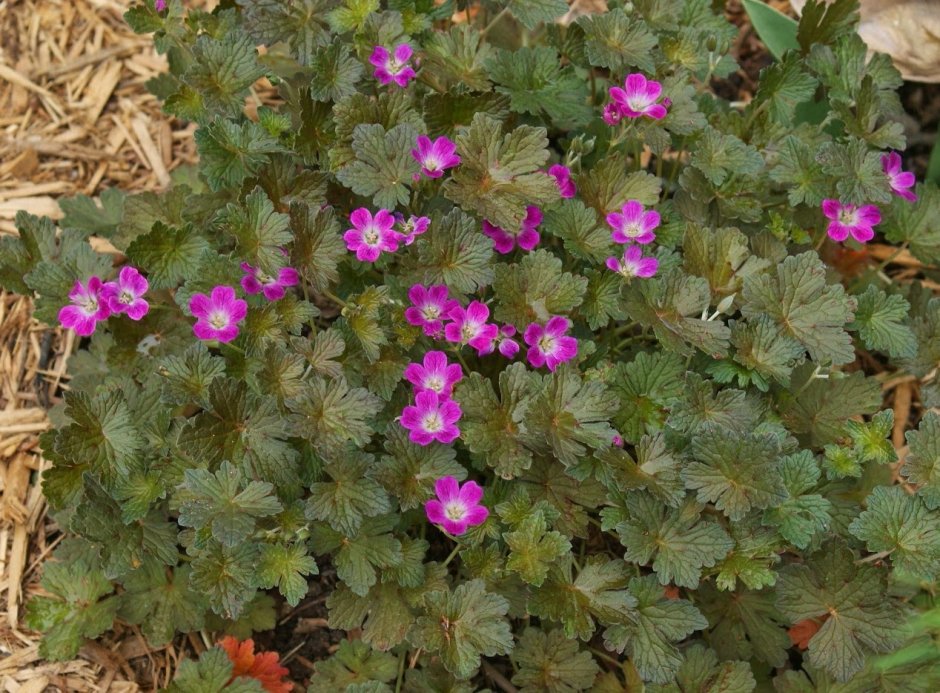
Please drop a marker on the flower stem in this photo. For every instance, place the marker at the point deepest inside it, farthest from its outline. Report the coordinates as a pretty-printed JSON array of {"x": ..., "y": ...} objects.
[
  {"x": 452, "y": 554},
  {"x": 494, "y": 21},
  {"x": 333, "y": 297}
]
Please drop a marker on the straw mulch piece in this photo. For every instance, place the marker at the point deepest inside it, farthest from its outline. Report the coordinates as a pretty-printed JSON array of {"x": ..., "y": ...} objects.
[{"x": 74, "y": 114}]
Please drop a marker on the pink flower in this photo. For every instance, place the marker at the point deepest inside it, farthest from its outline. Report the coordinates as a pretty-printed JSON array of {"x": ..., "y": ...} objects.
[
  {"x": 431, "y": 307},
  {"x": 88, "y": 307},
  {"x": 412, "y": 228},
  {"x": 218, "y": 314},
  {"x": 549, "y": 345},
  {"x": 899, "y": 180},
  {"x": 436, "y": 156},
  {"x": 455, "y": 508},
  {"x": 504, "y": 343},
  {"x": 392, "y": 67},
  {"x": 126, "y": 294},
  {"x": 527, "y": 237},
  {"x": 435, "y": 374},
  {"x": 638, "y": 97},
  {"x": 617, "y": 440},
  {"x": 633, "y": 224},
  {"x": 371, "y": 235},
  {"x": 255, "y": 281},
  {"x": 432, "y": 417},
  {"x": 469, "y": 326},
  {"x": 846, "y": 219},
  {"x": 562, "y": 176},
  {"x": 612, "y": 114},
  {"x": 159, "y": 5},
  {"x": 633, "y": 264}
]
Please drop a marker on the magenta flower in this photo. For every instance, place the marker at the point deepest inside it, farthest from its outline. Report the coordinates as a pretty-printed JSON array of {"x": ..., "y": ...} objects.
[
  {"x": 411, "y": 229},
  {"x": 392, "y": 67},
  {"x": 434, "y": 374},
  {"x": 638, "y": 97},
  {"x": 126, "y": 294},
  {"x": 371, "y": 235},
  {"x": 435, "y": 156},
  {"x": 255, "y": 281},
  {"x": 469, "y": 326},
  {"x": 633, "y": 264},
  {"x": 159, "y": 5},
  {"x": 526, "y": 238},
  {"x": 549, "y": 345},
  {"x": 218, "y": 314},
  {"x": 846, "y": 219},
  {"x": 633, "y": 224},
  {"x": 900, "y": 181},
  {"x": 504, "y": 343},
  {"x": 562, "y": 176},
  {"x": 432, "y": 417},
  {"x": 455, "y": 508},
  {"x": 617, "y": 440},
  {"x": 431, "y": 307},
  {"x": 612, "y": 114},
  {"x": 88, "y": 307}
]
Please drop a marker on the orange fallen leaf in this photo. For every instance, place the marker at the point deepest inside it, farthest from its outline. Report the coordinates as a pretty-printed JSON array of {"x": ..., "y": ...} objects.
[
  {"x": 262, "y": 666},
  {"x": 803, "y": 631}
]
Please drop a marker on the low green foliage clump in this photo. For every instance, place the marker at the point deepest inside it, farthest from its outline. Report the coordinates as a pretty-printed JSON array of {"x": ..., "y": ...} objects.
[{"x": 592, "y": 411}]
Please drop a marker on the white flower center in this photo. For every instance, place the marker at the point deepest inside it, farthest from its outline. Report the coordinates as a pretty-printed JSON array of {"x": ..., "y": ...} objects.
[
  {"x": 218, "y": 319},
  {"x": 370, "y": 236},
  {"x": 848, "y": 217},
  {"x": 546, "y": 344},
  {"x": 89, "y": 304},
  {"x": 431, "y": 312},
  {"x": 435, "y": 383},
  {"x": 468, "y": 331},
  {"x": 455, "y": 510},
  {"x": 632, "y": 229},
  {"x": 394, "y": 67},
  {"x": 126, "y": 297},
  {"x": 431, "y": 162},
  {"x": 638, "y": 103},
  {"x": 432, "y": 423}
]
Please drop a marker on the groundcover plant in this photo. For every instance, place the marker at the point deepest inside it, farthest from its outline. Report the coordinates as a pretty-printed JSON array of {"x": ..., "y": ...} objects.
[{"x": 558, "y": 361}]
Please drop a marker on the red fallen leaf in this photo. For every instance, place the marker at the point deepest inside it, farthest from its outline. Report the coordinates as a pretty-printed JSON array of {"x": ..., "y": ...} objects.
[
  {"x": 671, "y": 592},
  {"x": 803, "y": 631},
  {"x": 263, "y": 666}
]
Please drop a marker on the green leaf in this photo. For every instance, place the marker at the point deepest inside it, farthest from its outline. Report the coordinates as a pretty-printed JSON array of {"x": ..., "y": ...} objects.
[
  {"x": 357, "y": 557},
  {"x": 756, "y": 551},
  {"x": 493, "y": 427},
  {"x": 259, "y": 231},
  {"x": 162, "y": 605},
  {"x": 458, "y": 57},
  {"x": 353, "y": 663},
  {"x": 871, "y": 439},
  {"x": 817, "y": 414},
  {"x": 453, "y": 252},
  {"x": 721, "y": 256},
  {"x": 536, "y": 83},
  {"x": 318, "y": 245},
  {"x": 720, "y": 156},
  {"x": 802, "y": 515},
  {"x": 223, "y": 502},
  {"x": 856, "y": 170},
  {"x": 211, "y": 673},
  {"x": 301, "y": 24},
  {"x": 700, "y": 408},
  {"x": 570, "y": 416},
  {"x": 783, "y": 87},
  {"x": 618, "y": 41},
  {"x": 645, "y": 387},
  {"x": 744, "y": 624},
  {"x": 531, "y": 13},
  {"x": 383, "y": 167},
  {"x": 532, "y": 549},
  {"x": 797, "y": 167},
  {"x": 598, "y": 592},
  {"x": 764, "y": 350},
  {"x": 230, "y": 152},
  {"x": 82, "y": 214},
  {"x": 701, "y": 671},
  {"x": 168, "y": 255},
  {"x": 658, "y": 623},
  {"x": 776, "y": 30},
  {"x": 901, "y": 524},
  {"x": 552, "y": 663},
  {"x": 681, "y": 542},
  {"x": 334, "y": 71},
  {"x": 861, "y": 621},
  {"x": 349, "y": 496},
  {"x": 102, "y": 435},
  {"x": 329, "y": 413},
  {"x": 500, "y": 175},
  {"x": 737, "y": 473},
  {"x": 221, "y": 73},
  {"x": 225, "y": 575},
  {"x": 577, "y": 226},
  {"x": 285, "y": 567},
  {"x": 409, "y": 470},
  {"x": 922, "y": 466},
  {"x": 463, "y": 624},
  {"x": 79, "y": 608},
  {"x": 798, "y": 298},
  {"x": 822, "y": 22},
  {"x": 612, "y": 183},
  {"x": 188, "y": 374},
  {"x": 535, "y": 289},
  {"x": 672, "y": 305},
  {"x": 913, "y": 223},
  {"x": 602, "y": 299}
]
